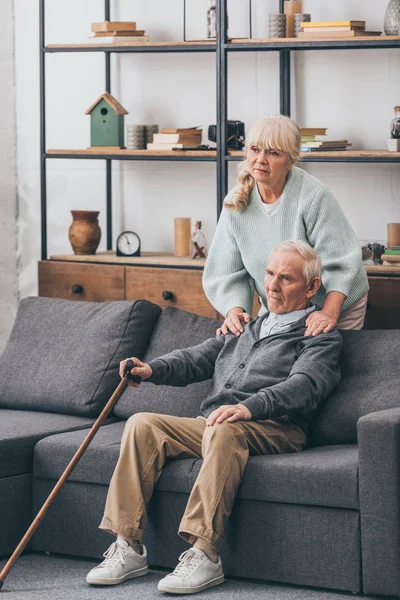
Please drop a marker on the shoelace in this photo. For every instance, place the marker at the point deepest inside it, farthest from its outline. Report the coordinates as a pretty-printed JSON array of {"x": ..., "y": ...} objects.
[
  {"x": 114, "y": 555},
  {"x": 188, "y": 561}
]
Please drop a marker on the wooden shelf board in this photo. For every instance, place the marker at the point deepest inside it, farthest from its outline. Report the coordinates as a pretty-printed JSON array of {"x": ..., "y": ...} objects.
[
  {"x": 157, "y": 44},
  {"x": 166, "y": 259},
  {"x": 348, "y": 153},
  {"x": 127, "y": 152},
  {"x": 161, "y": 259},
  {"x": 360, "y": 38}
]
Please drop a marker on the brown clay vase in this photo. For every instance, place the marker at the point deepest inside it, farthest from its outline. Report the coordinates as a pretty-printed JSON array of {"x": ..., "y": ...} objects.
[{"x": 84, "y": 232}]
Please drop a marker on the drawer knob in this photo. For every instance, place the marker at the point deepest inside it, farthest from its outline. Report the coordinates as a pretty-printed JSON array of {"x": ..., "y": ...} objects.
[
  {"x": 168, "y": 295},
  {"x": 77, "y": 289}
]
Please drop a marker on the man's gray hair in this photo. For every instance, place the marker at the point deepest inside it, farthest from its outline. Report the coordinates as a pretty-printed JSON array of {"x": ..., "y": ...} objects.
[{"x": 312, "y": 262}]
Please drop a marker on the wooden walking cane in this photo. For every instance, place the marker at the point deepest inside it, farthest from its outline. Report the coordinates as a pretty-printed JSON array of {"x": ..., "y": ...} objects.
[{"x": 74, "y": 461}]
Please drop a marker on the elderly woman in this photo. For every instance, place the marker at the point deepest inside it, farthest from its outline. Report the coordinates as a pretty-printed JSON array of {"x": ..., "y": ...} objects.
[{"x": 276, "y": 201}]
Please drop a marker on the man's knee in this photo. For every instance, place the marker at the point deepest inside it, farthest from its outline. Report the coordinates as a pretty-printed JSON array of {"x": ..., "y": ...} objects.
[
  {"x": 222, "y": 434},
  {"x": 140, "y": 421}
]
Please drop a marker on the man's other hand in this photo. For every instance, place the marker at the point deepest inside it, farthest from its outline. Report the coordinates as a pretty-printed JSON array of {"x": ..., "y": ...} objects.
[
  {"x": 230, "y": 412},
  {"x": 143, "y": 370},
  {"x": 233, "y": 322}
]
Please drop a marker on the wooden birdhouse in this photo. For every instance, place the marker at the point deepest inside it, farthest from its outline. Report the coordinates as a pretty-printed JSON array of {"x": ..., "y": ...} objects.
[{"x": 107, "y": 122}]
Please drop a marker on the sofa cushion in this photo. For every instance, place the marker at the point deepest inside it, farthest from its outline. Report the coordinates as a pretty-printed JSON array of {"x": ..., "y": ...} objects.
[
  {"x": 319, "y": 476},
  {"x": 174, "y": 329},
  {"x": 63, "y": 356},
  {"x": 21, "y": 429},
  {"x": 370, "y": 382}
]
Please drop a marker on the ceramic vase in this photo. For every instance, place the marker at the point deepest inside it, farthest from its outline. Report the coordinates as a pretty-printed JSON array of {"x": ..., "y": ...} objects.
[
  {"x": 391, "y": 24},
  {"x": 84, "y": 232}
]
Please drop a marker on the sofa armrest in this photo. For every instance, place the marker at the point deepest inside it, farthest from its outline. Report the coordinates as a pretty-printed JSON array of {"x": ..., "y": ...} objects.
[{"x": 379, "y": 464}]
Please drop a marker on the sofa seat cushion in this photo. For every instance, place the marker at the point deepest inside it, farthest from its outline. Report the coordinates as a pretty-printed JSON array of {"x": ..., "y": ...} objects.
[
  {"x": 63, "y": 356},
  {"x": 175, "y": 329},
  {"x": 326, "y": 476},
  {"x": 21, "y": 429}
]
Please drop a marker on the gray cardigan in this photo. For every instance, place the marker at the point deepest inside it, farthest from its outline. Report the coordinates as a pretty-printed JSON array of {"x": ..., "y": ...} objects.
[{"x": 282, "y": 374}]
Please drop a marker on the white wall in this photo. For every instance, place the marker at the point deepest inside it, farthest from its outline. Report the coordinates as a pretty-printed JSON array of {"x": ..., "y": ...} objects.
[
  {"x": 8, "y": 197},
  {"x": 350, "y": 92}
]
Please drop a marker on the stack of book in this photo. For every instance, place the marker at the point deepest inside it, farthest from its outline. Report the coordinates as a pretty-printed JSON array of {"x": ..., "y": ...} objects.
[
  {"x": 309, "y": 142},
  {"x": 334, "y": 29},
  {"x": 391, "y": 257},
  {"x": 171, "y": 138},
  {"x": 117, "y": 32}
]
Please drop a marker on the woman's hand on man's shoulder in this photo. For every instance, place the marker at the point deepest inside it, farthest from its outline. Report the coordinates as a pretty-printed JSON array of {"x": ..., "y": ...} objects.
[{"x": 234, "y": 321}]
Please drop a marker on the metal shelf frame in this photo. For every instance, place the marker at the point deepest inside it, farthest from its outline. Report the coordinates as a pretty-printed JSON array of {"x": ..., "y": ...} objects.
[{"x": 222, "y": 48}]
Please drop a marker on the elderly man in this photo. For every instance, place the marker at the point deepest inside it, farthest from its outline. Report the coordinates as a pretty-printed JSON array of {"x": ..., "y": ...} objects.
[{"x": 266, "y": 386}]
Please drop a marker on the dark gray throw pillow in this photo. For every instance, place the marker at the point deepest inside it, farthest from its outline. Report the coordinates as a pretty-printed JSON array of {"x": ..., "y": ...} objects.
[
  {"x": 370, "y": 382},
  {"x": 63, "y": 356},
  {"x": 175, "y": 329}
]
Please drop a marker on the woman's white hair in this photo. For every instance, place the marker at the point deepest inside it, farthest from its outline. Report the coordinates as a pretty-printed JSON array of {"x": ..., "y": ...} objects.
[
  {"x": 275, "y": 132},
  {"x": 312, "y": 263}
]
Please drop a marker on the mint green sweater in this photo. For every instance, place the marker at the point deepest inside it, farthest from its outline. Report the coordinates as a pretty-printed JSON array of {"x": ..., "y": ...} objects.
[{"x": 242, "y": 242}]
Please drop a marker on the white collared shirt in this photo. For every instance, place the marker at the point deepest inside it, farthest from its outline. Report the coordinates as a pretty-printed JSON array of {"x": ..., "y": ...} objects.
[{"x": 279, "y": 323}]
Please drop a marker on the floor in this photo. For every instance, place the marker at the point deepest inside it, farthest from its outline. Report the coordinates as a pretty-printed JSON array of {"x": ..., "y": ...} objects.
[{"x": 42, "y": 577}]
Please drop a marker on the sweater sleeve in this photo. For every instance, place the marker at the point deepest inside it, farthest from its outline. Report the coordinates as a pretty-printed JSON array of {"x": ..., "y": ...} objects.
[
  {"x": 226, "y": 281},
  {"x": 331, "y": 235},
  {"x": 190, "y": 365},
  {"x": 314, "y": 375}
]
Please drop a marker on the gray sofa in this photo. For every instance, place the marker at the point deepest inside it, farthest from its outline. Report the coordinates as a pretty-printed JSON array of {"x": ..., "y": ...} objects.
[{"x": 328, "y": 516}]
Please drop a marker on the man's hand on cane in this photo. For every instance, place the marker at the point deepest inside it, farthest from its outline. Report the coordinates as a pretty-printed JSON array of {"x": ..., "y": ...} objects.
[{"x": 141, "y": 369}]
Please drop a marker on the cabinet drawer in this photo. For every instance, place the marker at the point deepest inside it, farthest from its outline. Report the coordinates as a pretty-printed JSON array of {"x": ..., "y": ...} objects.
[
  {"x": 72, "y": 281},
  {"x": 181, "y": 288},
  {"x": 383, "y": 308}
]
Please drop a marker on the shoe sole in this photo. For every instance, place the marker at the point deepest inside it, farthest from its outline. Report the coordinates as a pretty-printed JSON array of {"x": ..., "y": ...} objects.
[
  {"x": 192, "y": 590},
  {"x": 131, "y": 575}
]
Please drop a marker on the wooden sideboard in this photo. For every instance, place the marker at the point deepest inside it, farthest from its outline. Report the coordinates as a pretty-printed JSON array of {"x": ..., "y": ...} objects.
[{"x": 168, "y": 280}]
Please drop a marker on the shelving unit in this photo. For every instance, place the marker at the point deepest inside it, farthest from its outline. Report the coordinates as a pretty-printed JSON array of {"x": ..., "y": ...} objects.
[{"x": 222, "y": 156}]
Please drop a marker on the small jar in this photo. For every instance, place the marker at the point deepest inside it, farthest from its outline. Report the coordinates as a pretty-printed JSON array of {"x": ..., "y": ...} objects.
[
  {"x": 212, "y": 20},
  {"x": 395, "y": 124}
]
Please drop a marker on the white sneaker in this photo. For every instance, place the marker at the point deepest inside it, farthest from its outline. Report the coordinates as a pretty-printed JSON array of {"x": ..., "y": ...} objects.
[
  {"x": 195, "y": 573},
  {"x": 121, "y": 563}
]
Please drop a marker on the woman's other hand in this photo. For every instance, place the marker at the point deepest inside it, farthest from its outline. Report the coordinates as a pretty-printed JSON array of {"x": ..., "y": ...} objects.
[{"x": 233, "y": 321}]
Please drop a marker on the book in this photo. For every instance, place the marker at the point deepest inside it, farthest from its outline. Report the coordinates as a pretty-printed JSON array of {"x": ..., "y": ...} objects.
[
  {"x": 338, "y": 34},
  {"x": 154, "y": 146},
  {"x": 391, "y": 264},
  {"x": 114, "y": 26},
  {"x": 394, "y": 248},
  {"x": 138, "y": 32},
  {"x": 190, "y": 139},
  {"x": 391, "y": 251},
  {"x": 390, "y": 258},
  {"x": 180, "y": 130},
  {"x": 312, "y": 24},
  {"x": 346, "y": 28},
  {"x": 330, "y": 149},
  {"x": 313, "y": 131},
  {"x": 308, "y": 138},
  {"x": 318, "y": 144},
  {"x": 119, "y": 40}
]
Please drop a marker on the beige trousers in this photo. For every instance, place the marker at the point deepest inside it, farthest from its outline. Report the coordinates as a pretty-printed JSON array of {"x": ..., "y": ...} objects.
[
  {"x": 149, "y": 439},
  {"x": 354, "y": 317}
]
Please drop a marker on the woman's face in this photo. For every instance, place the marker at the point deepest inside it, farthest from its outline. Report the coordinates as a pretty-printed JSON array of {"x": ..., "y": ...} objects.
[{"x": 268, "y": 166}]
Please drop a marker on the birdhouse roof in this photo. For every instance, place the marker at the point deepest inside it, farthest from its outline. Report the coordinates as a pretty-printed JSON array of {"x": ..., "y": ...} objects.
[{"x": 113, "y": 102}]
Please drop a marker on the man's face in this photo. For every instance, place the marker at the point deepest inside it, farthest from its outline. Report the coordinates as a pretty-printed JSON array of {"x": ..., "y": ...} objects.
[{"x": 285, "y": 284}]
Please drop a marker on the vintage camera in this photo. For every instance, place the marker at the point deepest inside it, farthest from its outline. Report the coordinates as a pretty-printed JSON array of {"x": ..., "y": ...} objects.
[{"x": 235, "y": 135}]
